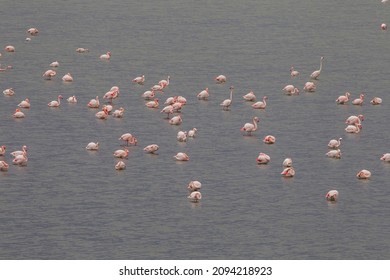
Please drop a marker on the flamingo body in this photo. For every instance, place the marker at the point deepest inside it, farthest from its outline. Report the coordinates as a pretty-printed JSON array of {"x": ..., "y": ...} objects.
[
  {"x": 363, "y": 174},
  {"x": 92, "y": 146},
  {"x": 263, "y": 158},
  {"x": 181, "y": 157},
  {"x": 332, "y": 195},
  {"x": 152, "y": 148},
  {"x": 195, "y": 196}
]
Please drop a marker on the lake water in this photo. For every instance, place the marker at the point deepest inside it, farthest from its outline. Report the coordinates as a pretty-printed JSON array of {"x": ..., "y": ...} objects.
[{"x": 68, "y": 203}]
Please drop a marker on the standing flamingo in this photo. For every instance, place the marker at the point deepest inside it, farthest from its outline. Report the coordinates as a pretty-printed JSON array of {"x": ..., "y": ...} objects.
[
  {"x": 260, "y": 104},
  {"x": 164, "y": 83},
  {"x": 106, "y": 56},
  {"x": 118, "y": 113},
  {"x": 317, "y": 73},
  {"x": 55, "y": 103},
  {"x": 139, "y": 80},
  {"x": 290, "y": 90},
  {"x": 148, "y": 95},
  {"x": 250, "y": 127},
  {"x": 167, "y": 110},
  {"x": 129, "y": 139},
  {"x": 152, "y": 104},
  {"x": 228, "y": 102},
  {"x": 182, "y": 136},
  {"x": 20, "y": 152},
  {"x": 103, "y": 115},
  {"x": 334, "y": 144},
  {"x": 204, "y": 94},
  {"x": 152, "y": 148},
  {"x": 358, "y": 101},
  {"x": 20, "y": 160},
  {"x": 9, "y": 92},
  {"x": 332, "y": 195},
  {"x": 192, "y": 132},
  {"x": 343, "y": 99},
  {"x": 54, "y": 64},
  {"x": 121, "y": 153}
]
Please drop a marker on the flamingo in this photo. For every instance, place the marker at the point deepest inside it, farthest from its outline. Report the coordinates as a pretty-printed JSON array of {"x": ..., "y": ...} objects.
[
  {"x": 3, "y": 166},
  {"x": 120, "y": 165},
  {"x": 49, "y": 74},
  {"x": 167, "y": 110},
  {"x": 334, "y": 154},
  {"x": 251, "y": 127},
  {"x": 103, "y": 115},
  {"x": 177, "y": 106},
  {"x": 148, "y": 95},
  {"x": 118, "y": 113},
  {"x": 20, "y": 152},
  {"x": 334, "y": 144},
  {"x": 293, "y": 72},
  {"x": 192, "y": 132},
  {"x": 72, "y": 99},
  {"x": 376, "y": 101},
  {"x": 317, "y": 73},
  {"x": 121, "y": 153},
  {"x": 288, "y": 172},
  {"x": 354, "y": 119},
  {"x": 128, "y": 138},
  {"x": 195, "y": 196},
  {"x": 158, "y": 88},
  {"x": 250, "y": 96},
  {"x": 343, "y": 99},
  {"x": 332, "y": 195},
  {"x": 20, "y": 160},
  {"x": 2, "y": 150},
  {"x": 67, "y": 78},
  {"x": 139, "y": 80},
  {"x": 33, "y": 31},
  {"x": 82, "y": 50},
  {"x": 290, "y": 90},
  {"x": 108, "y": 107},
  {"x": 176, "y": 120},
  {"x": 310, "y": 87},
  {"x": 260, "y": 104},
  {"x": 358, "y": 101},
  {"x": 164, "y": 83},
  {"x": 384, "y": 157},
  {"x": 287, "y": 162},
  {"x": 181, "y": 156},
  {"x": 54, "y": 64},
  {"x": 55, "y": 103},
  {"x": 363, "y": 174},
  {"x": 204, "y": 94},
  {"x": 9, "y": 49},
  {"x": 111, "y": 94},
  {"x": 228, "y": 102},
  {"x": 9, "y": 92},
  {"x": 269, "y": 139},
  {"x": 152, "y": 148},
  {"x": 263, "y": 158},
  {"x": 18, "y": 114},
  {"x": 194, "y": 186},
  {"x": 25, "y": 103},
  {"x": 152, "y": 104},
  {"x": 92, "y": 146},
  {"x": 220, "y": 79},
  {"x": 170, "y": 100},
  {"x": 182, "y": 136},
  {"x": 181, "y": 99},
  {"x": 94, "y": 103},
  {"x": 106, "y": 56},
  {"x": 384, "y": 26},
  {"x": 353, "y": 128}
]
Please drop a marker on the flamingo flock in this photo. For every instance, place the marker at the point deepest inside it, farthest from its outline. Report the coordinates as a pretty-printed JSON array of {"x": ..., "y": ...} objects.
[{"x": 173, "y": 110}]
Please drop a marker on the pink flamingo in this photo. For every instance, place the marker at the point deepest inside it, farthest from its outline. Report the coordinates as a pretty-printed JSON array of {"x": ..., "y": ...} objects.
[
  {"x": 92, "y": 146},
  {"x": 20, "y": 160},
  {"x": 167, "y": 110},
  {"x": 152, "y": 148},
  {"x": 55, "y": 103},
  {"x": 334, "y": 144},
  {"x": 363, "y": 174},
  {"x": 354, "y": 119},
  {"x": 72, "y": 99},
  {"x": 9, "y": 48},
  {"x": 82, "y": 50},
  {"x": 194, "y": 186},
  {"x": 120, "y": 165},
  {"x": 121, "y": 153},
  {"x": 288, "y": 172},
  {"x": 139, "y": 80},
  {"x": 176, "y": 120},
  {"x": 49, "y": 74},
  {"x": 181, "y": 99},
  {"x": 192, "y": 132},
  {"x": 376, "y": 101},
  {"x": 106, "y": 56},
  {"x": 269, "y": 139},
  {"x": 18, "y": 114},
  {"x": 181, "y": 157},
  {"x": 152, "y": 104},
  {"x": 290, "y": 90},
  {"x": 315, "y": 75},
  {"x": 263, "y": 158},
  {"x": 310, "y": 87},
  {"x": 164, "y": 83},
  {"x": 182, "y": 136},
  {"x": 260, "y": 104},
  {"x": 111, "y": 94},
  {"x": 67, "y": 78},
  {"x": 170, "y": 100},
  {"x": 343, "y": 99},
  {"x": 33, "y": 31},
  {"x": 3, "y": 166},
  {"x": 228, "y": 102},
  {"x": 148, "y": 95},
  {"x": 204, "y": 94},
  {"x": 2, "y": 150},
  {"x": 334, "y": 154},
  {"x": 103, "y": 115},
  {"x": 250, "y": 96},
  {"x": 358, "y": 101},
  {"x": 384, "y": 26},
  {"x": 157, "y": 88},
  {"x": 94, "y": 103},
  {"x": 118, "y": 113},
  {"x": 251, "y": 127},
  {"x": 353, "y": 128},
  {"x": 9, "y": 92},
  {"x": 220, "y": 79},
  {"x": 177, "y": 106},
  {"x": 384, "y": 157},
  {"x": 293, "y": 72},
  {"x": 195, "y": 196},
  {"x": 287, "y": 162},
  {"x": 25, "y": 103},
  {"x": 20, "y": 152},
  {"x": 54, "y": 64},
  {"x": 129, "y": 139},
  {"x": 332, "y": 195}
]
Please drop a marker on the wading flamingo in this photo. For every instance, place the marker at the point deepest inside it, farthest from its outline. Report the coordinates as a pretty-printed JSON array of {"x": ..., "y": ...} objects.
[
  {"x": 194, "y": 186},
  {"x": 293, "y": 72},
  {"x": 354, "y": 119},
  {"x": 363, "y": 174},
  {"x": 384, "y": 157},
  {"x": 176, "y": 120},
  {"x": 287, "y": 162},
  {"x": 250, "y": 96},
  {"x": 152, "y": 148},
  {"x": 94, "y": 103},
  {"x": 263, "y": 158},
  {"x": 92, "y": 146},
  {"x": 129, "y": 139},
  {"x": 106, "y": 56},
  {"x": 343, "y": 99},
  {"x": 334, "y": 143},
  {"x": 195, "y": 196},
  {"x": 181, "y": 156},
  {"x": 251, "y": 127},
  {"x": 18, "y": 114},
  {"x": 49, "y": 74},
  {"x": 204, "y": 94},
  {"x": 139, "y": 80},
  {"x": 334, "y": 153},
  {"x": 55, "y": 103},
  {"x": 25, "y": 103},
  {"x": 228, "y": 102},
  {"x": 260, "y": 104},
  {"x": 269, "y": 139},
  {"x": 315, "y": 75},
  {"x": 332, "y": 195},
  {"x": 3, "y": 166},
  {"x": 120, "y": 165},
  {"x": 121, "y": 153},
  {"x": 220, "y": 79},
  {"x": 358, "y": 101},
  {"x": 376, "y": 101},
  {"x": 288, "y": 172}
]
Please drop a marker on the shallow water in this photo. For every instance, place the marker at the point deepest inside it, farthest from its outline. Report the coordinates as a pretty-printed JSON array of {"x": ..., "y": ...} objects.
[{"x": 68, "y": 203}]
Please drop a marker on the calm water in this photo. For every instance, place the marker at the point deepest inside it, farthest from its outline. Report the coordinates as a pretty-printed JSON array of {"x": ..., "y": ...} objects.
[{"x": 69, "y": 203}]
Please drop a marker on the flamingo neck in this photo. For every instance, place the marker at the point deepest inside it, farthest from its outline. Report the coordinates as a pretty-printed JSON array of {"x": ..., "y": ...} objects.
[{"x": 255, "y": 124}]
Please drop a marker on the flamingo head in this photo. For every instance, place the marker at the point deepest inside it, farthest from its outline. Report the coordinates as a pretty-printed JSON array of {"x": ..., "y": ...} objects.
[{"x": 60, "y": 97}]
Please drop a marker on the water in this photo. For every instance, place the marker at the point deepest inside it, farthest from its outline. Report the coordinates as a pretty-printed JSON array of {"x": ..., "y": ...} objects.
[{"x": 69, "y": 203}]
